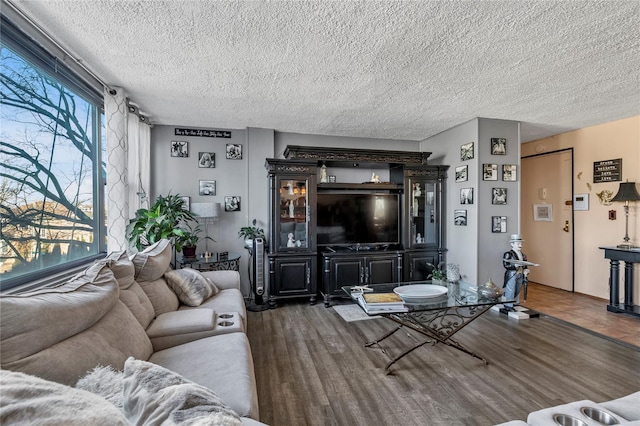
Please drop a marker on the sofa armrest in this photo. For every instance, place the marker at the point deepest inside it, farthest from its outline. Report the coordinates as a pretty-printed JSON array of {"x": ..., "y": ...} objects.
[
  {"x": 224, "y": 279},
  {"x": 182, "y": 322}
]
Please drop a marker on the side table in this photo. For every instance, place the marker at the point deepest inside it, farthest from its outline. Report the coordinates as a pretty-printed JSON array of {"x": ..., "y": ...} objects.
[
  {"x": 217, "y": 262},
  {"x": 630, "y": 257}
]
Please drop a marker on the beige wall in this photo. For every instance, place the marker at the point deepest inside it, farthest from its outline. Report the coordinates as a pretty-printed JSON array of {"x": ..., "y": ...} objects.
[{"x": 617, "y": 139}]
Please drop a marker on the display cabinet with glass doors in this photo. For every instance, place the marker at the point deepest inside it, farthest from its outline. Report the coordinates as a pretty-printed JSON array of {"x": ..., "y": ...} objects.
[{"x": 292, "y": 246}]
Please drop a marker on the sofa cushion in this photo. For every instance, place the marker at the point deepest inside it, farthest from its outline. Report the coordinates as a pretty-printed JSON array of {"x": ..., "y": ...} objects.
[
  {"x": 221, "y": 363},
  {"x": 229, "y": 300},
  {"x": 151, "y": 263},
  {"x": 29, "y": 400},
  {"x": 73, "y": 326},
  {"x": 191, "y": 287},
  {"x": 162, "y": 298},
  {"x": 627, "y": 406},
  {"x": 131, "y": 293},
  {"x": 105, "y": 382},
  {"x": 155, "y": 395}
]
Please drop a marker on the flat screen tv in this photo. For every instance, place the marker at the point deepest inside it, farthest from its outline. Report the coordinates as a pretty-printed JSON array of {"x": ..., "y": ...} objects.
[{"x": 346, "y": 219}]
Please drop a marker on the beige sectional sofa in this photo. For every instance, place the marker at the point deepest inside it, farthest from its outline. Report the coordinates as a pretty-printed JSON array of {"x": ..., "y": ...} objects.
[{"x": 133, "y": 306}]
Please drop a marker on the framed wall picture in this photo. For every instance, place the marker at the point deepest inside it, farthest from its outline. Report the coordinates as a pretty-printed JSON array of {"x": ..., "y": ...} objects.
[
  {"x": 206, "y": 160},
  {"x": 207, "y": 187},
  {"x": 489, "y": 172},
  {"x": 179, "y": 149},
  {"x": 509, "y": 172},
  {"x": 234, "y": 151},
  {"x": 460, "y": 217},
  {"x": 499, "y": 196},
  {"x": 543, "y": 212},
  {"x": 498, "y": 224},
  {"x": 466, "y": 196},
  {"x": 462, "y": 173},
  {"x": 498, "y": 146},
  {"x": 186, "y": 203},
  {"x": 232, "y": 203},
  {"x": 466, "y": 151}
]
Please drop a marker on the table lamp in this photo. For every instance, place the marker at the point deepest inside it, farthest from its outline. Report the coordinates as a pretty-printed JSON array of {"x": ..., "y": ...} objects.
[
  {"x": 626, "y": 193},
  {"x": 207, "y": 212}
]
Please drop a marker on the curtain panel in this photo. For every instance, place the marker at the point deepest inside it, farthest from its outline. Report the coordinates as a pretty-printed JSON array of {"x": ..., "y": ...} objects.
[{"x": 128, "y": 166}]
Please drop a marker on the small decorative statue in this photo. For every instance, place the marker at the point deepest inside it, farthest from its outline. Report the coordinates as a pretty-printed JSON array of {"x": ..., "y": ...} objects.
[
  {"x": 419, "y": 239},
  {"x": 291, "y": 242},
  {"x": 291, "y": 207},
  {"x": 323, "y": 174},
  {"x": 417, "y": 192},
  {"x": 375, "y": 178},
  {"x": 516, "y": 271}
]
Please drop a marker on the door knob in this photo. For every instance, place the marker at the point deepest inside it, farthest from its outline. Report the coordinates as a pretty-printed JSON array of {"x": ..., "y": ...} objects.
[{"x": 566, "y": 226}]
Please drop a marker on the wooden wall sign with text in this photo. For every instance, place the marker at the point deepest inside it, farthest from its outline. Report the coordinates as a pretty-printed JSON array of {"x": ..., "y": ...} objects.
[
  {"x": 607, "y": 171},
  {"x": 203, "y": 132}
]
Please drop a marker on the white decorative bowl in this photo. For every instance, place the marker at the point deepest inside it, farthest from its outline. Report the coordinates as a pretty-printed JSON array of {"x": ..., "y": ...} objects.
[{"x": 419, "y": 293}]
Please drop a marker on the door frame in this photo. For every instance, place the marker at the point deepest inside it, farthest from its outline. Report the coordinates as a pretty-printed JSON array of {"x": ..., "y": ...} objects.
[{"x": 573, "y": 227}]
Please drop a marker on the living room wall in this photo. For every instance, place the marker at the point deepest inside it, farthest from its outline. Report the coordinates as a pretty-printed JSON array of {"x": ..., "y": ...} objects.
[{"x": 592, "y": 228}]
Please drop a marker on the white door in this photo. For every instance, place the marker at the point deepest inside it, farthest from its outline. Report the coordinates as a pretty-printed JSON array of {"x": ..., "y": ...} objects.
[{"x": 548, "y": 238}]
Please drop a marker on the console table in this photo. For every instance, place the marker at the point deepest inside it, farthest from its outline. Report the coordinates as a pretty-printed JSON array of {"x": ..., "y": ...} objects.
[
  {"x": 230, "y": 262},
  {"x": 629, "y": 257}
]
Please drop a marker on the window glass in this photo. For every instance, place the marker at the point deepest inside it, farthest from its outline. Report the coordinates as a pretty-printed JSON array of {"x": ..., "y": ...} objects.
[{"x": 51, "y": 173}]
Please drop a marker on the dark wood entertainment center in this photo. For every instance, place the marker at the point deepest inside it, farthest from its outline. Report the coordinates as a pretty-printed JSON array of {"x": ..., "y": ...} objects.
[{"x": 295, "y": 256}]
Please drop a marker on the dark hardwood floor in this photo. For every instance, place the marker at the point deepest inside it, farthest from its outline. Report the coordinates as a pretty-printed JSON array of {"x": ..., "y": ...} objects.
[{"x": 312, "y": 369}]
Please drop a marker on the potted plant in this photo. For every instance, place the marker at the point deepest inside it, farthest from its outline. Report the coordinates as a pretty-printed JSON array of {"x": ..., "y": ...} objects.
[
  {"x": 187, "y": 239},
  {"x": 438, "y": 275},
  {"x": 249, "y": 233},
  {"x": 164, "y": 219}
]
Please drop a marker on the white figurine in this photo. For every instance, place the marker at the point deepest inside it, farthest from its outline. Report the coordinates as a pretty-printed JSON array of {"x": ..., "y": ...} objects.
[
  {"x": 290, "y": 241},
  {"x": 291, "y": 206},
  {"x": 419, "y": 239}
]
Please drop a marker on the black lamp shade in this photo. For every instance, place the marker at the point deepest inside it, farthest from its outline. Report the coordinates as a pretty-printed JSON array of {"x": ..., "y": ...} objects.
[{"x": 627, "y": 192}]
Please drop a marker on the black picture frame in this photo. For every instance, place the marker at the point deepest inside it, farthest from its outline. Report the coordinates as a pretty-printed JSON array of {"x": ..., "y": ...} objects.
[
  {"x": 234, "y": 151},
  {"x": 206, "y": 160},
  {"x": 180, "y": 149},
  {"x": 499, "y": 196},
  {"x": 460, "y": 217},
  {"x": 466, "y": 151},
  {"x": 462, "y": 173},
  {"x": 466, "y": 195},
  {"x": 489, "y": 171},
  {"x": 232, "y": 203},
  {"x": 498, "y": 224},
  {"x": 509, "y": 172},
  {"x": 498, "y": 146},
  {"x": 207, "y": 187}
]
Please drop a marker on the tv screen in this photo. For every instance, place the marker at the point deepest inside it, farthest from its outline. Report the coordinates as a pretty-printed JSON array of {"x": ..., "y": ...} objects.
[{"x": 348, "y": 219}]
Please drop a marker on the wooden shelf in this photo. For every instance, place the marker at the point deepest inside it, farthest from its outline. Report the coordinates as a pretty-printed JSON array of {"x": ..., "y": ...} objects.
[{"x": 390, "y": 187}]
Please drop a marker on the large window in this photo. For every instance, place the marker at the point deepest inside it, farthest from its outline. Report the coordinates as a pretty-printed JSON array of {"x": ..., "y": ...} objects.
[{"x": 51, "y": 175}]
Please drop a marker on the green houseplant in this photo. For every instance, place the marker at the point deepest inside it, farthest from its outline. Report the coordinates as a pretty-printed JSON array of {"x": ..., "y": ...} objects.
[
  {"x": 166, "y": 218},
  {"x": 189, "y": 239},
  {"x": 438, "y": 275},
  {"x": 249, "y": 233}
]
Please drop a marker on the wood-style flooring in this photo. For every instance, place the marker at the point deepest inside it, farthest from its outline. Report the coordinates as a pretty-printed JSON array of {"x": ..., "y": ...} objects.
[
  {"x": 584, "y": 311},
  {"x": 312, "y": 369}
]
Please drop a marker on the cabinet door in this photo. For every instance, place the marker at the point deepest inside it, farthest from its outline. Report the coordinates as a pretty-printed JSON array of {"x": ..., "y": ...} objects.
[
  {"x": 380, "y": 270},
  {"x": 293, "y": 276},
  {"x": 292, "y": 214},
  {"x": 419, "y": 264},
  {"x": 345, "y": 271},
  {"x": 423, "y": 213}
]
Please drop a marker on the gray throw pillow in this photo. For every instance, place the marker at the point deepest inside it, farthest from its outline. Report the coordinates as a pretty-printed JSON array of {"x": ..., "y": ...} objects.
[
  {"x": 191, "y": 287},
  {"x": 155, "y": 395}
]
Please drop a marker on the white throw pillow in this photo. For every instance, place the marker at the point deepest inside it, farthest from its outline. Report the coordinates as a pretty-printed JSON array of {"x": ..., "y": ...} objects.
[
  {"x": 155, "y": 395},
  {"x": 191, "y": 287},
  {"x": 105, "y": 382}
]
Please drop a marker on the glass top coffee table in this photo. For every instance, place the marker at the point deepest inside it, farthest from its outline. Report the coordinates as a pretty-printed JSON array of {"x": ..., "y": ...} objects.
[{"x": 437, "y": 312}]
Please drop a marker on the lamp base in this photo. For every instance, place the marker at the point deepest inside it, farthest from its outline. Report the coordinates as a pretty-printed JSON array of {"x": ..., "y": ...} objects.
[{"x": 626, "y": 246}]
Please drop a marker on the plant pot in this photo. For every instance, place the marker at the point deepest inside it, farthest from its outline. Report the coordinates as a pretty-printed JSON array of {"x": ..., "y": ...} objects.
[{"x": 188, "y": 251}]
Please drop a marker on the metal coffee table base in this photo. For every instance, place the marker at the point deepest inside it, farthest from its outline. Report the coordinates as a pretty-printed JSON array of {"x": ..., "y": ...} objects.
[{"x": 439, "y": 325}]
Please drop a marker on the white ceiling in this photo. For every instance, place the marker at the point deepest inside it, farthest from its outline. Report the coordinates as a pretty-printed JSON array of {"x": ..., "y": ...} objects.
[{"x": 387, "y": 69}]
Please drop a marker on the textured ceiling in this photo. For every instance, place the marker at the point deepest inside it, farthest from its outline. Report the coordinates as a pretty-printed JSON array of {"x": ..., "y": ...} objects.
[{"x": 397, "y": 70}]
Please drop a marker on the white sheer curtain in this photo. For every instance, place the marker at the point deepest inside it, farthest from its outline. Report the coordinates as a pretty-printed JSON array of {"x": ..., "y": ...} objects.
[{"x": 128, "y": 165}]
